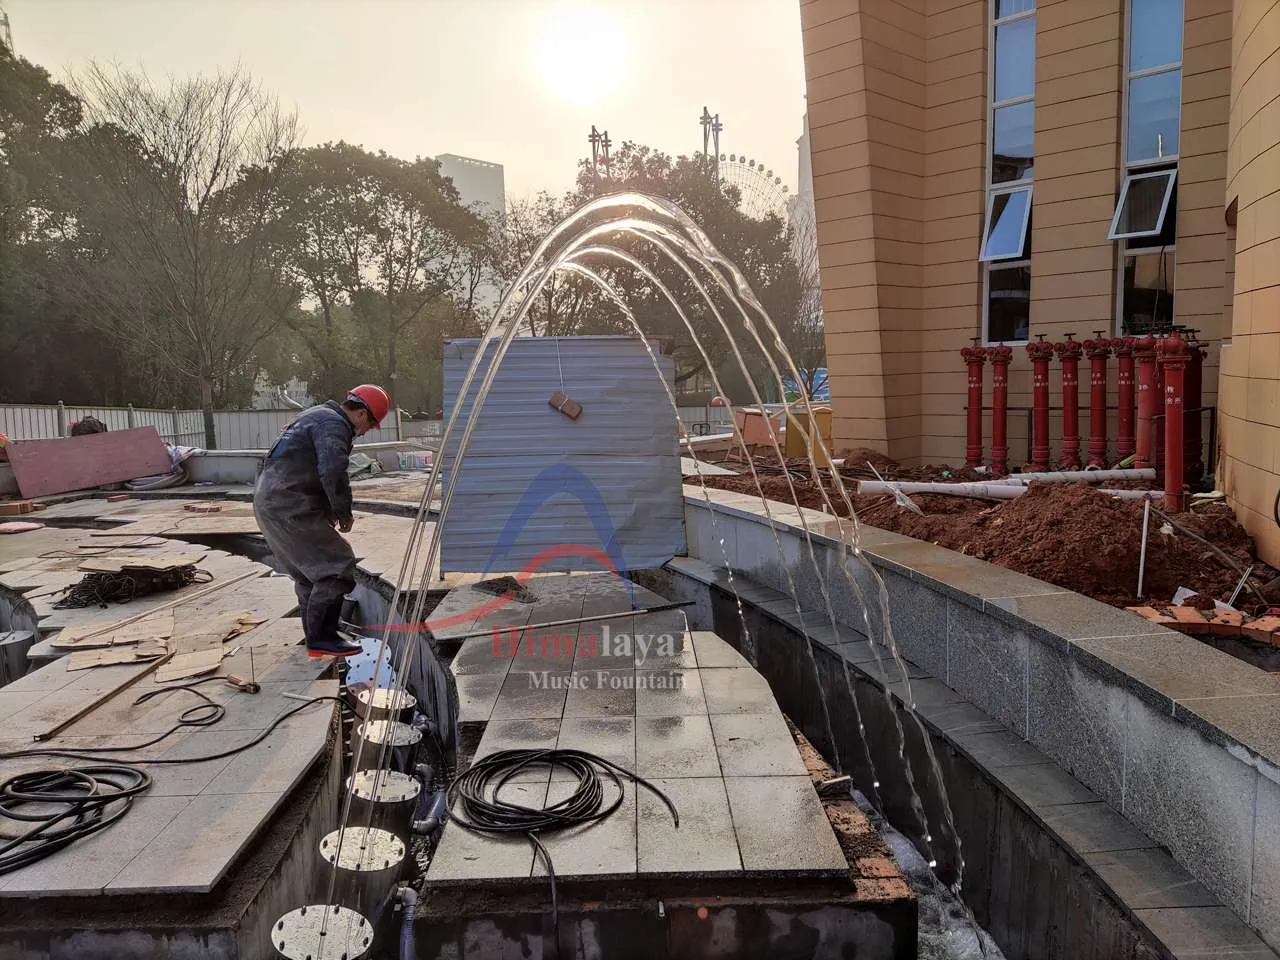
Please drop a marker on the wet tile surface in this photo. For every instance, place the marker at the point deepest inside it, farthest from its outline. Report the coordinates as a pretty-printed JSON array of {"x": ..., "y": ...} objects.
[
  {"x": 755, "y": 745},
  {"x": 1149, "y": 878},
  {"x": 1094, "y": 828},
  {"x": 772, "y": 814},
  {"x": 737, "y": 690},
  {"x": 675, "y": 747},
  {"x": 670, "y": 693},
  {"x": 705, "y": 841},
  {"x": 692, "y": 712},
  {"x": 1204, "y": 933}
]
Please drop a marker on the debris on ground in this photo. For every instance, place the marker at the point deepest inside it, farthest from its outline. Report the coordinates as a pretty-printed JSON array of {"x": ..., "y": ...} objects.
[{"x": 1069, "y": 535}]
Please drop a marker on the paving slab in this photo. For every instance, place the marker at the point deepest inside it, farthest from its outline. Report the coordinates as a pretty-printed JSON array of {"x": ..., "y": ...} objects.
[
  {"x": 463, "y": 856},
  {"x": 527, "y": 696},
  {"x": 703, "y": 844},
  {"x": 196, "y": 848},
  {"x": 675, "y": 746},
  {"x": 737, "y": 690},
  {"x": 782, "y": 828},
  {"x": 712, "y": 652},
  {"x": 1150, "y": 878},
  {"x": 602, "y": 693},
  {"x": 477, "y": 693},
  {"x": 611, "y": 738},
  {"x": 605, "y": 848},
  {"x": 755, "y": 745},
  {"x": 90, "y": 864},
  {"x": 669, "y": 693}
]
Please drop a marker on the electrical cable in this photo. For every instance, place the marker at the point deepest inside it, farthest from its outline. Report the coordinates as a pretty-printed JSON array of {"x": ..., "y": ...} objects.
[
  {"x": 82, "y": 802},
  {"x": 85, "y": 795},
  {"x": 475, "y": 804}
]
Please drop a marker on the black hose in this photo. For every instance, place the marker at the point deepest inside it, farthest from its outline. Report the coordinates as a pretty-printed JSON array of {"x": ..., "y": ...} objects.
[
  {"x": 63, "y": 806},
  {"x": 476, "y": 805}
]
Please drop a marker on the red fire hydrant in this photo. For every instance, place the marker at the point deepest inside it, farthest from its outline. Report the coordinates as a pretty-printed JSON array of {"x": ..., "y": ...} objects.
[
  {"x": 1173, "y": 357},
  {"x": 1069, "y": 353},
  {"x": 1144, "y": 352},
  {"x": 1098, "y": 350},
  {"x": 1000, "y": 358},
  {"x": 1040, "y": 353},
  {"x": 1123, "y": 347},
  {"x": 974, "y": 356}
]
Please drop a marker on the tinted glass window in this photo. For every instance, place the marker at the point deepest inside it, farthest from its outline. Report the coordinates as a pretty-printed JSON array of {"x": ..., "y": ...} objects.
[
  {"x": 1155, "y": 33},
  {"x": 1015, "y": 60},
  {"x": 1008, "y": 304},
  {"x": 1013, "y": 143}
]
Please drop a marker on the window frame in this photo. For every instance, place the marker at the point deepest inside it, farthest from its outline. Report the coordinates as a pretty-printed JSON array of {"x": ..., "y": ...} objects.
[
  {"x": 1121, "y": 255},
  {"x": 1167, "y": 164},
  {"x": 986, "y": 300},
  {"x": 1023, "y": 232},
  {"x": 990, "y": 189},
  {"x": 1129, "y": 178}
]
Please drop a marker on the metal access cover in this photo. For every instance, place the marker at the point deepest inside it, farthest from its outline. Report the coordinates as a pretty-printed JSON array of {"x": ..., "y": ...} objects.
[
  {"x": 383, "y": 786},
  {"x": 390, "y": 732},
  {"x": 362, "y": 849},
  {"x": 318, "y": 932},
  {"x": 387, "y": 698}
]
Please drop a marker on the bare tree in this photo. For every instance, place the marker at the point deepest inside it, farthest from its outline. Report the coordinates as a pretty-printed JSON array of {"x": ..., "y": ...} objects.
[{"x": 176, "y": 228}]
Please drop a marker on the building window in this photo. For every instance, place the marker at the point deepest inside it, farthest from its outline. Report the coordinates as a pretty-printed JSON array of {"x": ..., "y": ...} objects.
[
  {"x": 1145, "y": 221},
  {"x": 1005, "y": 246}
]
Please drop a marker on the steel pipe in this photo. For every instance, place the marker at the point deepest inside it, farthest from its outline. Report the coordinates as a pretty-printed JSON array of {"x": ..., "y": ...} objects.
[
  {"x": 974, "y": 357},
  {"x": 1174, "y": 357},
  {"x": 1000, "y": 358},
  {"x": 1098, "y": 350}
]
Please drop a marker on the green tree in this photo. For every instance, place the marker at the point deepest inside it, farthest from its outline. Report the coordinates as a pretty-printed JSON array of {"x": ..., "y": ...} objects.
[
  {"x": 178, "y": 184},
  {"x": 387, "y": 256}
]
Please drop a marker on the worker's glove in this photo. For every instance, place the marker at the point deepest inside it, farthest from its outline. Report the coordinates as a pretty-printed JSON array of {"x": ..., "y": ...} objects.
[{"x": 344, "y": 526}]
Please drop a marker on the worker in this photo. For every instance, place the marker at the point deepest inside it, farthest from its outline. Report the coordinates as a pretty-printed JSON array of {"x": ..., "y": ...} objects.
[{"x": 303, "y": 502}]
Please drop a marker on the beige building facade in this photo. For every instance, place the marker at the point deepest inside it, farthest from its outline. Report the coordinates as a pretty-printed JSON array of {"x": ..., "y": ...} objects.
[{"x": 1007, "y": 170}]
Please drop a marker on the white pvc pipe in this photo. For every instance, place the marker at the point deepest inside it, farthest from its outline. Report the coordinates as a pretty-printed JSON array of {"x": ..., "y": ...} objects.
[
  {"x": 994, "y": 491},
  {"x": 1075, "y": 476}
]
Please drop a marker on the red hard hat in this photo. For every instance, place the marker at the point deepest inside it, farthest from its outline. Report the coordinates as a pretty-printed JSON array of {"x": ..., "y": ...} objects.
[{"x": 374, "y": 399}]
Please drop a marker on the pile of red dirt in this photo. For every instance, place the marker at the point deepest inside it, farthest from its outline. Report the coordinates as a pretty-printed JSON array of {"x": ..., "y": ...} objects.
[{"x": 1069, "y": 535}]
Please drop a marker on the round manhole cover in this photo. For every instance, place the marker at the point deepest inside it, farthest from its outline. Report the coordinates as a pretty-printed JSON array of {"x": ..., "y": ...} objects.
[
  {"x": 318, "y": 932},
  {"x": 362, "y": 849}
]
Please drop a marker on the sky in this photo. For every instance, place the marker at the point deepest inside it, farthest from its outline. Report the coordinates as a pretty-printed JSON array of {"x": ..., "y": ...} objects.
[{"x": 516, "y": 82}]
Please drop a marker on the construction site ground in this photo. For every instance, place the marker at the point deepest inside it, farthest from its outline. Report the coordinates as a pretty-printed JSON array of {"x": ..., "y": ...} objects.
[{"x": 1065, "y": 534}]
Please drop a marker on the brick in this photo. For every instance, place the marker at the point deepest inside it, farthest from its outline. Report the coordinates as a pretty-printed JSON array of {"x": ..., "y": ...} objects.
[{"x": 15, "y": 508}]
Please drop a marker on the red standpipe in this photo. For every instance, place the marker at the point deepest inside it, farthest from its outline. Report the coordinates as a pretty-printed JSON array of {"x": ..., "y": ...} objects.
[
  {"x": 1000, "y": 359},
  {"x": 1040, "y": 353},
  {"x": 1144, "y": 352},
  {"x": 1098, "y": 350},
  {"x": 1174, "y": 356},
  {"x": 1069, "y": 353},
  {"x": 1157, "y": 415},
  {"x": 974, "y": 357},
  {"x": 1194, "y": 429},
  {"x": 1123, "y": 347}
]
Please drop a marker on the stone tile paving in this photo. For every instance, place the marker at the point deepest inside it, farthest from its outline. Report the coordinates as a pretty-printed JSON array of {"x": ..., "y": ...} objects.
[{"x": 682, "y": 709}]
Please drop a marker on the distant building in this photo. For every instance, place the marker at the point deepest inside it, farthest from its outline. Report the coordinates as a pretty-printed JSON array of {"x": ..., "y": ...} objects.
[
  {"x": 482, "y": 188},
  {"x": 481, "y": 183}
]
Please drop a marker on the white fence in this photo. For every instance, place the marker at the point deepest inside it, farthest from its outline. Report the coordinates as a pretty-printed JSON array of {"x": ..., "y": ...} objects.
[
  {"x": 249, "y": 429},
  {"x": 233, "y": 429}
]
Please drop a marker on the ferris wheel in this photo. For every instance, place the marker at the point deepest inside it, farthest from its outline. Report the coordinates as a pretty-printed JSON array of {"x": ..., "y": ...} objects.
[{"x": 761, "y": 191}]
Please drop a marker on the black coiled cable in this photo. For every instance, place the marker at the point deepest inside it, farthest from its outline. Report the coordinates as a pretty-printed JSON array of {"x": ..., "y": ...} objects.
[
  {"x": 63, "y": 806},
  {"x": 475, "y": 802}
]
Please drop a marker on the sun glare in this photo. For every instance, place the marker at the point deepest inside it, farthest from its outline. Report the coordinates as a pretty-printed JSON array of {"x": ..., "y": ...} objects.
[{"x": 581, "y": 52}]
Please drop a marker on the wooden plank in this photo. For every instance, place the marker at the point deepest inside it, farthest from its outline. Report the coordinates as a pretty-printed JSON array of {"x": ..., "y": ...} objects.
[
  {"x": 158, "y": 562},
  {"x": 44, "y": 467}
]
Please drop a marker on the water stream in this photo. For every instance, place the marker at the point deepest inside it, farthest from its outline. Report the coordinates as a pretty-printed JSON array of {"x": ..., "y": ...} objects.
[{"x": 590, "y": 235}]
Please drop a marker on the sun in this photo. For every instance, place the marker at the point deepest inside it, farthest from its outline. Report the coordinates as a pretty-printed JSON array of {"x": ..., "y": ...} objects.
[{"x": 581, "y": 52}]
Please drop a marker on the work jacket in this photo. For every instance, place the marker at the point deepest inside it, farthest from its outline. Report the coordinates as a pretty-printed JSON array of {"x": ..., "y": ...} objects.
[{"x": 313, "y": 453}]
